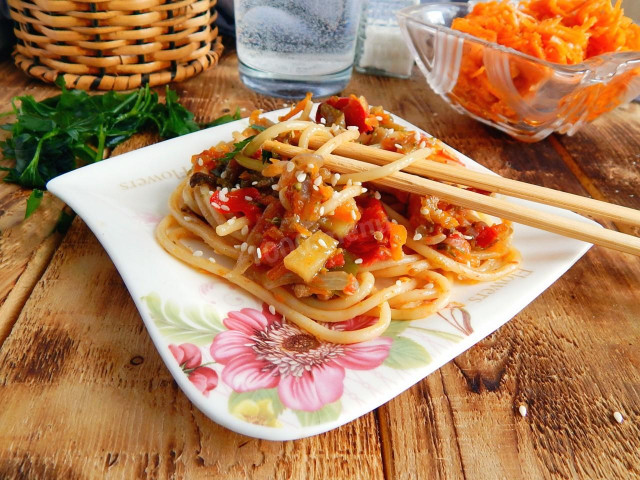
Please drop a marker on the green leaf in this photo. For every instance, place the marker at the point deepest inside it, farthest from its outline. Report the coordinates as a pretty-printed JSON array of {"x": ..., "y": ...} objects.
[
  {"x": 406, "y": 354},
  {"x": 259, "y": 128},
  {"x": 439, "y": 333},
  {"x": 328, "y": 413},
  {"x": 33, "y": 202},
  {"x": 266, "y": 156},
  {"x": 171, "y": 320},
  {"x": 64, "y": 221},
  {"x": 237, "y": 148},
  {"x": 395, "y": 328},
  {"x": 224, "y": 119},
  {"x": 256, "y": 395}
]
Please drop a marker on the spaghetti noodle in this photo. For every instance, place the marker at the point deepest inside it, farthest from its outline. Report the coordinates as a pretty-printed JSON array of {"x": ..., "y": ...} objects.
[{"x": 322, "y": 248}]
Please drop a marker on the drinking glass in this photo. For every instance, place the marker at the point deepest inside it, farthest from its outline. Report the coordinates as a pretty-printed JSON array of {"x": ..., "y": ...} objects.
[{"x": 289, "y": 47}]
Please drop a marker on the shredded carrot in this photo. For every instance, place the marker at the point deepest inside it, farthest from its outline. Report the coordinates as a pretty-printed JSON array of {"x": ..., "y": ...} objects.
[
  {"x": 298, "y": 108},
  {"x": 566, "y": 32}
]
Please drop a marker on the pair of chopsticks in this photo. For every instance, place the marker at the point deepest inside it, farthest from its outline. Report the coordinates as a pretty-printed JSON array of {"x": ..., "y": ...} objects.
[{"x": 354, "y": 157}]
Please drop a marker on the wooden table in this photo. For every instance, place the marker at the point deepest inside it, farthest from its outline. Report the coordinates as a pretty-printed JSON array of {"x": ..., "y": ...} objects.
[{"x": 83, "y": 393}]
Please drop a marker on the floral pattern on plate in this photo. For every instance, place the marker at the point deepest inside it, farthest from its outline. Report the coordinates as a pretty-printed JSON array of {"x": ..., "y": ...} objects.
[{"x": 271, "y": 365}]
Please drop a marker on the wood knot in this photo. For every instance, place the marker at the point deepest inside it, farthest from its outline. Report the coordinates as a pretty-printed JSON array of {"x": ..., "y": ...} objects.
[{"x": 137, "y": 360}]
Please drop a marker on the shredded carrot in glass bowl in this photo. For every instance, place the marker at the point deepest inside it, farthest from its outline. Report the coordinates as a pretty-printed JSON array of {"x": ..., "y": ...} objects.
[{"x": 563, "y": 32}]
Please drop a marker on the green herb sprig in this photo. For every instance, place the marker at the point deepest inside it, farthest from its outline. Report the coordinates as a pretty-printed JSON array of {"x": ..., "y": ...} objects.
[{"x": 72, "y": 129}]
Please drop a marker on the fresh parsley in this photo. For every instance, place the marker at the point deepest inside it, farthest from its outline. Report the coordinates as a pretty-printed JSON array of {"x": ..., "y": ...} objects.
[
  {"x": 61, "y": 133},
  {"x": 74, "y": 128}
]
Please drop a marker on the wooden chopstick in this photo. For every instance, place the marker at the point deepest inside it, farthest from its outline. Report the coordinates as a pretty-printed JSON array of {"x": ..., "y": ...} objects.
[
  {"x": 491, "y": 183},
  {"x": 493, "y": 206}
]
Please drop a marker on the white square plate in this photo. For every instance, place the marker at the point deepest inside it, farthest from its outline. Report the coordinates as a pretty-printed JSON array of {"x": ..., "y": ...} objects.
[{"x": 286, "y": 394}]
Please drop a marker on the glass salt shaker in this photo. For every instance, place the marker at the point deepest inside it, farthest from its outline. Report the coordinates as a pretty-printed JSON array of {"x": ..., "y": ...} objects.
[{"x": 381, "y": 50}]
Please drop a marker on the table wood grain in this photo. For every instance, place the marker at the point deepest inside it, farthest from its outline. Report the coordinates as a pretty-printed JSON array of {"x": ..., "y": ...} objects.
[{"x": 83, "y": 393}]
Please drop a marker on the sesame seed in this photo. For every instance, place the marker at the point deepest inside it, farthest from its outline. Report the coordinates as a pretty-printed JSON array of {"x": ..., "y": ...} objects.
[
  {"x": 417, "y": 237},
  {"x": 335, "y": 178},
  {"x": 424, "y": 211},
  {"x": 523, "y": 410},
  {"x": 357, "y": 184},
  {"x": 275, "y": 187},
  {"x": 398, "y": 282},
  {"x": 322, "y": 243},
  {"x": 352, "y": 127},
  {"x": 200, "y": 162},
  {"x": 468, "y": 237},
  {"x": 422, "y": 144},
  {"x": 365, "y": 190},
  {"x": 429, "y": 285},
  {"x": 232, "y": 220},
  {"x": 321, "y": 211},
  {"x": 290, "y": 166},
  {"x": 377, "y": 195},
  {"x": 251, "y": 249},
  {"x": 310, "y": 166},
  {"x": 215, "y": 205},
  {"x": 323, "y": 120},
  {"x": 618, "y": 417},
  {"x": 223, "y": 174},
  {"x": 225, "y": 208},
  {"x": 245, "y": 230},
  {"x": 315, "y": 187},
  {"x": 398, "y": 146},
  {"x": 378, "y": 236},
  {"x": 285, "y": 105},
  {"x": 197, "y": 253},
  {"x": 212, "y": 260},
  {"x": 237, "y": 247},
  {"x": 244, "y": 246},
  {"x": 258, "y": 252},
  {"x": 187, "y": 218},
  {"x": 248, "y": 198},
  {"x": 358, "y": 261},
  {"x": 379, "y": 118},
  {"x": 254, "y": 183},
  {"x": 318, "y": 180},
  {"x": 301, "y": 177},
  {"x": 272, "y": 309},
  {"x": 416, "y": 137},
  {"x": 393, "y": 220}
]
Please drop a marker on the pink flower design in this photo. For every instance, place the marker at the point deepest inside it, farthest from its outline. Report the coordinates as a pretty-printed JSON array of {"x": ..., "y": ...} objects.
[
  {"x": 204, "y": 378},
  {"x": 261, "y": 351},
  {"x": 188, "y": 355}
]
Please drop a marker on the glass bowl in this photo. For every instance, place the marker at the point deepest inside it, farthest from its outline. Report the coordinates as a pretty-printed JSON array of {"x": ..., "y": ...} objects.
[{"x": 521, "y": 95}]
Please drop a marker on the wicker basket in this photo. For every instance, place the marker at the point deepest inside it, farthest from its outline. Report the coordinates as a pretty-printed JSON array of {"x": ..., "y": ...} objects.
[{"x": 115, "y": 44}]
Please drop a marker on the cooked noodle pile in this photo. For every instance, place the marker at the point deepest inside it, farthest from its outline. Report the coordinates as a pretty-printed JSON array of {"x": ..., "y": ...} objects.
[{"x": 322, "y": 248}]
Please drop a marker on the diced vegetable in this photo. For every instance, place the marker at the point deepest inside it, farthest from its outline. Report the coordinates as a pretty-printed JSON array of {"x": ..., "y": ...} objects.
[
  {"x": 237, "y": 202},
  {"x": 311, "y": 255},
  {"x": 355, "y": 112},
  {"x": 340, "y": 228}
]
